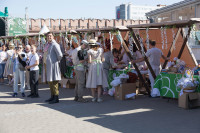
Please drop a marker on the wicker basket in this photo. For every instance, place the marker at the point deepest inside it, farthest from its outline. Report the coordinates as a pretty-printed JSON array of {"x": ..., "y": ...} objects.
[{"x": 189, "y": 89}]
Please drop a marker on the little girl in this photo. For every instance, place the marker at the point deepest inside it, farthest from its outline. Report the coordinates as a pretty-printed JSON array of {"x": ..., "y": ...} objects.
[
  {"x": 96, "y": 76},
  {"x": 116, "y": 58}
]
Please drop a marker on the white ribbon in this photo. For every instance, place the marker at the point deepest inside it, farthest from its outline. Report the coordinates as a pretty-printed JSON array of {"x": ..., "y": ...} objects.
[
  {"x": 60, "y": 38},
  {"x": 162, "y": 36},
  {"x": 141, "y": 43},
  {"x": 111, "y": 39},
  {"x": 70, "y": 42},
  {"x": 85, "y": 36},
  {"x": 165, "y": 33},
  {"x": 173, "y": 34},
  {"x": 119, "y": 36},
  {"x": 104, "y": 43},
  {"x": 43, "y": 41},
  {"x": 131, "y": 45},
  {"x": 39, "y": 42},
  {"x": 26, "y": 40},
  {"x": 147, "y": 33},
  {"x": 6, "y": 41},
  {"x": 66, "y": 40}
]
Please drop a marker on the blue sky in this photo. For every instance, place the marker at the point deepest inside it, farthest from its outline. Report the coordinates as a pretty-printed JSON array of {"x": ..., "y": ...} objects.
[{"x": 73, "y": 9}]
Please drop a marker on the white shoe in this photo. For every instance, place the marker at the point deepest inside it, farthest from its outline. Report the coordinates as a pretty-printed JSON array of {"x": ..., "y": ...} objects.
[
  {"x": 94, "y": 99},
  {"x": 99, "y": 100}
]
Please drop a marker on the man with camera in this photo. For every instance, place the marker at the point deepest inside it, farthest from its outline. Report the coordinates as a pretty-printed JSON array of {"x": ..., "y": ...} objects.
[{"x": 19, "y": 59}]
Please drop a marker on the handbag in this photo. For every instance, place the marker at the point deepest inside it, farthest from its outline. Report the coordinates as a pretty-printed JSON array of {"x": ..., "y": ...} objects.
[{"x": 22, "y": 64}]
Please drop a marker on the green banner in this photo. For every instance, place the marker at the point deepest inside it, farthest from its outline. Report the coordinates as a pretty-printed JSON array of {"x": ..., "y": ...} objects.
[
  {"x": 166, "y": 84},
  {"x": 16, "y": 26}
]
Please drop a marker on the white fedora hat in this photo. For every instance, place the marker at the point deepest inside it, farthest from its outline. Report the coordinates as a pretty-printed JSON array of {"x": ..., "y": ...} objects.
[
  {"x": 92, "y": 42},
  {"x": 11, "y": 45}
]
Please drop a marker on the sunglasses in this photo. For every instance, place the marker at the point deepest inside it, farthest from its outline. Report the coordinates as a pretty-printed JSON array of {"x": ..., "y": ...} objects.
[{"x": 18, "y": 47}]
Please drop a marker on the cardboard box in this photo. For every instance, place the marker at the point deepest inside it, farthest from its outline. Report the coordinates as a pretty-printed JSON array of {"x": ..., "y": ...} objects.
[
  {"x": 40, "y": 79},
  {"x": 71, "y": 83},
  {"x": 123, "y": 89},
  {"x": 67, "y": 83},
  {"x": 63, "y": 82},
  {"x": 189, "y": 100}
]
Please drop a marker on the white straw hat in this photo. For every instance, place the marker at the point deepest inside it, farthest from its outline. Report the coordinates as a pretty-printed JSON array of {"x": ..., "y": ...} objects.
[
  {"x": 92, "y": 42},
  {"x": 11, "y": 45}
]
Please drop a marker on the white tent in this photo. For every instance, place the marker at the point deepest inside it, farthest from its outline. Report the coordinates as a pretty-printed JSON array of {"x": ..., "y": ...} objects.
[{"x": 44, "y": 30}]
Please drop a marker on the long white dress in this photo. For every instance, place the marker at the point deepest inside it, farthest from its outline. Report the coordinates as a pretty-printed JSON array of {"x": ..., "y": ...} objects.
[
  {"x": 9, "y": 64},
  {"x": 96, "y": 74}
]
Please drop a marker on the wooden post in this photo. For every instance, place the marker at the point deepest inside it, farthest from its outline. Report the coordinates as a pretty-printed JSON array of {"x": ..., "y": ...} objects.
[
  {"x": 171, "y": 47},
  {"x": 136, "y": 67},
  {"x": 136, "y": 41},
  {"x": 145, "y": 58},
  {"x": 126, "y": 36},
  {"x": 184, "y": 42}
]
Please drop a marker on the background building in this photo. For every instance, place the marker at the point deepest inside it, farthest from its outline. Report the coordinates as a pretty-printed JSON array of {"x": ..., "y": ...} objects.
[
  {"x": 130, "y": 11},
  {"x": 183, "y": 10}
]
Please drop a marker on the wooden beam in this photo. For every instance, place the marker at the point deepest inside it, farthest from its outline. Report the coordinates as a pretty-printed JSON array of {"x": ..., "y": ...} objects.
[
  {"x": 178, "y": 24},
  {"x": 145, "y": 58},
  {"x": 185, "y": 39},
  {"x": 126, "y": 36},
  {"x": 137, "y": 41},
  {"x": 172, "y": 47},
  {"x": 136, "y": 67}
]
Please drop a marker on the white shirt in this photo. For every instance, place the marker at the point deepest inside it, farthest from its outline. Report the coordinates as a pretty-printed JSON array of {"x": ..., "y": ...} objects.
[
  {"x": 154, "y": 55},
  {"x": 28, "y": 54},
  {"x": 75, "y": 60},
  {"x": 69, "y": 52},
  {"x": 32, "y": 59},
  {"x": 138, "y": 55},
  {"x": 3, "y": 56}
]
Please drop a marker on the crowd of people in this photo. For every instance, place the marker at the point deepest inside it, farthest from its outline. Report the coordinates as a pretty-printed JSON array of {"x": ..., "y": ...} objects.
[{"x": 90, "y": 61}]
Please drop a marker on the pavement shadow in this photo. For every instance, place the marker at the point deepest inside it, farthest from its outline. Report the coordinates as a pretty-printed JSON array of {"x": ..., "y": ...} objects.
[
  {"x": 44, "y": 93},
  {"x": 139, "y": 115}
]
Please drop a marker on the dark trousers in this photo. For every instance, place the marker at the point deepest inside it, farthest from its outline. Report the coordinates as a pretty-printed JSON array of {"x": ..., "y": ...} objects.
[{"x": 34, "y": 76}]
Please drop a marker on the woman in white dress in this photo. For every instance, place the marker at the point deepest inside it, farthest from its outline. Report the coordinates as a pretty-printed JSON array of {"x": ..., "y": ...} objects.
[
  {"x": 96, "y": 76},
  {"x": 9, "y": 64}
]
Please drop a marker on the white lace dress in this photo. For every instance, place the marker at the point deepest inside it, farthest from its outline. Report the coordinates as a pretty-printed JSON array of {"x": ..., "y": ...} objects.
[
  {"x": 9, "y": 64},
  {"x": 96, "y": 74}
]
